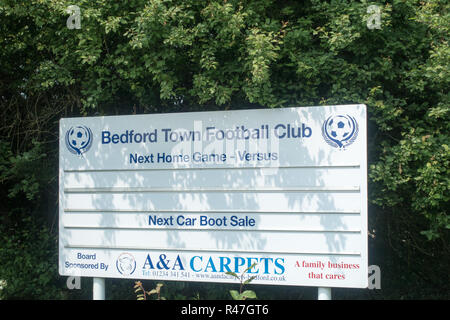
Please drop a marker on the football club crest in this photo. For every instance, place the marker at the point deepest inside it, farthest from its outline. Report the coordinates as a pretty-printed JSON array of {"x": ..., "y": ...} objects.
[
  {"x": 79, "y": 139},
  {"x": 126, "y": 264},
  {"x": 340, "y": 131}
]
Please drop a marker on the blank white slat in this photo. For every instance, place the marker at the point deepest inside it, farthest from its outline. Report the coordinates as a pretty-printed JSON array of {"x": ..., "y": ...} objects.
[
  {"x": 294, "y": 242},
  {"x": 251, "y": 201},
  {"x": 217, "y": 179}
]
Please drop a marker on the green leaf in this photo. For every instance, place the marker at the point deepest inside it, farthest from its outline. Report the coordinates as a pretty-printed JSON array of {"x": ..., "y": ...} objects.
[
  {"x": 248, "y": 294},
  {"x": 249, "y": 280},
  {"x": 231, "y": 273},
  {"x": 235, "y": 295},
  {"x": 251, "y": 267}
]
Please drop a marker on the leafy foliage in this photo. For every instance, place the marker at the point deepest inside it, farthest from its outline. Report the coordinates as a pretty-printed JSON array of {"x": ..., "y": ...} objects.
[
  {"x": 142, "y": 294},
  {"x": 28, "y": 257},
  {"x": 243, "y": 294}
]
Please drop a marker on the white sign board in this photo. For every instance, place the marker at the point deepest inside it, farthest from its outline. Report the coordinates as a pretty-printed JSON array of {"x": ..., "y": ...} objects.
[{"x": 190, "y": 196}]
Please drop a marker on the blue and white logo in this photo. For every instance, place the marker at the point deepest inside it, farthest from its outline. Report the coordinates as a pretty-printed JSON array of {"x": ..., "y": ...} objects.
[
  {"x": 79, "y": 139},
  {"x": 126, "y": 264},
  {"x": 340, "y": 131}
]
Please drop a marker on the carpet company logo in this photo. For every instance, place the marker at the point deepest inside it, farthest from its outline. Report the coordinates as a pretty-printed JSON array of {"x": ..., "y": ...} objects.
[
  {"x": 126, "y": 264},
  {"x": 79, "y": 139},
  {"x": 340, "y": 131}
]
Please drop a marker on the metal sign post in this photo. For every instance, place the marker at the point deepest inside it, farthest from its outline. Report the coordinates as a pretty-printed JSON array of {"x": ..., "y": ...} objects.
[
  {"x": 98, "y": 289},
  {"x": 324, "y": 294}
]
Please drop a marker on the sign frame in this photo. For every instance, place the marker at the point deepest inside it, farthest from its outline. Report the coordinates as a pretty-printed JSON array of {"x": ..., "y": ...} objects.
[{"x": 84, "y": 201}]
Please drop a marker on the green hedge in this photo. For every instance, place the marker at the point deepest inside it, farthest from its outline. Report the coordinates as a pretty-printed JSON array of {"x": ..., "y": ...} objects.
[{"x": 172, "y": 56}]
